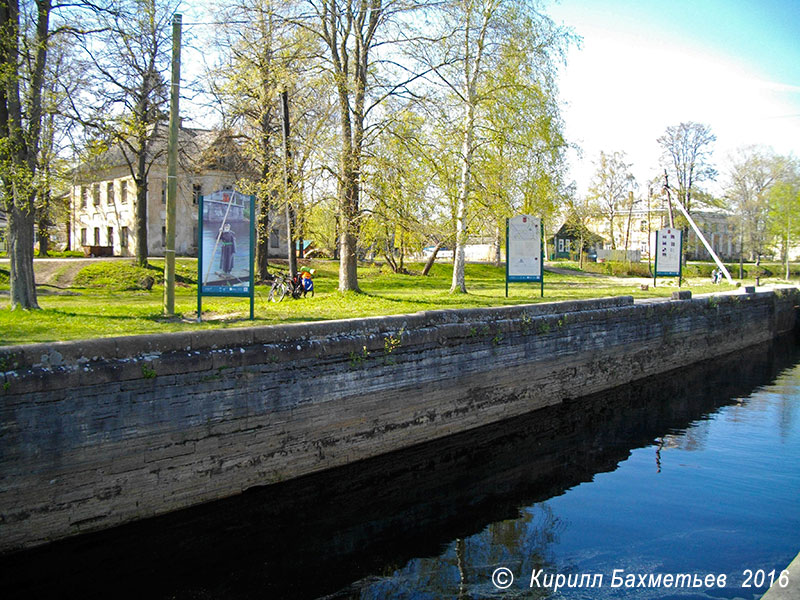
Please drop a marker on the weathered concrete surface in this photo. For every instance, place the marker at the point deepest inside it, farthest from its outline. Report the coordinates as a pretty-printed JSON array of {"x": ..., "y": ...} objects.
[
  {"x": 792, "y": 589},
  {"x": 95, "y": 434}
]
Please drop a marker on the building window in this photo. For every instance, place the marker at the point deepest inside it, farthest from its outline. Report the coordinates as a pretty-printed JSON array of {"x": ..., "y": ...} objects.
[
  {"x": 110, "y": 236},
  {"x": 643, "y": 226},
  {"x": 110, "y": 193},
  {"x": 197, "y": 191},
  {"x": 96, "y": 236},
  {"x": 123, "y": 239},
  {"x": 123, "y": 191},
  {"x": 274, "y": 241},
  {"x": 96, "y": 194},
  {"x": 83, "y": 236},
  {"x": 164, "y": 191},
  {"x": 163, "y": 236},
  {"x": 84, "y": 196}
]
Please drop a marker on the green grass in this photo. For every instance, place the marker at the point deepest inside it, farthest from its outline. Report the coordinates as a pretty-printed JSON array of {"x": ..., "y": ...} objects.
[{"x": 108, "y": 302}]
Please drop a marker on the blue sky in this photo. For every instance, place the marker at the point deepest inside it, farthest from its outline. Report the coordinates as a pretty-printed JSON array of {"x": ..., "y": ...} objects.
[{"x": 646, "y": 64}]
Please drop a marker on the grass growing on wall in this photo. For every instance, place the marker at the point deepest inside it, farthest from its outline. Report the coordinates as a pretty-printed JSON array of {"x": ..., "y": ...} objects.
[{"x": 106, "y": 298}]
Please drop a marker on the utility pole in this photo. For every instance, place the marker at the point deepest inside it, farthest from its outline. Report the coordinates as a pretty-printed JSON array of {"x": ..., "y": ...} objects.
[
  {"x": 287, "y": 183},
  {"x": 669, "y": 200},
  {"x": 172, "y": 170}
]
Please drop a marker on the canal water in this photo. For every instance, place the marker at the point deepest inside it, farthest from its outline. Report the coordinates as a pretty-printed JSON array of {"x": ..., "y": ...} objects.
[{"x": 694, "y": 473}]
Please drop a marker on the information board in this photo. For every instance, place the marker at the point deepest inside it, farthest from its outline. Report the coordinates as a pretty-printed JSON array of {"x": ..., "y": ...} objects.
[
  {"x": 669, "y": 245},
  {"x": 524, "y": 247},
  {"x": 226, "y": 242},
  {"x": 524, "y": 256}
]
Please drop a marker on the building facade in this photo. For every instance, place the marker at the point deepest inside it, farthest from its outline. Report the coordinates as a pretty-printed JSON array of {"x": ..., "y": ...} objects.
[
  {"x": 103, "y": 197},
  {"x": 634, "y": 231}
]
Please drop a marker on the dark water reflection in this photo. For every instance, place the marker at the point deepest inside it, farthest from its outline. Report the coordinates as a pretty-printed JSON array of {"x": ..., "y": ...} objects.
[{"x": 638, "y": 478}]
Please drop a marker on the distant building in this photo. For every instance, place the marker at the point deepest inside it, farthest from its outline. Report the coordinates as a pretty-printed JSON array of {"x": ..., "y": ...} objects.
[
  {"x": 103, "y": 196},
  {"x": 639, "y": 225},
  {"x": 566, "y": 244}
]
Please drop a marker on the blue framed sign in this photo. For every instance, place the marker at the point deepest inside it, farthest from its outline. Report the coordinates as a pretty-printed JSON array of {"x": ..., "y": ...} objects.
[
  {"x": 524, "y": 250},
  {"x": 226, "y": 246}
]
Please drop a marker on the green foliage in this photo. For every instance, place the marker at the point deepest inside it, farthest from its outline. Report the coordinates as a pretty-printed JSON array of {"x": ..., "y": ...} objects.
[
  {"x": 357, "y": 359},
  {"x": 121, "y": 275},
  {"x": 109, "y": 311},
  {"x": 116, "y": 276},
  {"x": 618, "y": 269},
  {"x": 392, "y": 343},
  {"x": 705, "y": 270}
]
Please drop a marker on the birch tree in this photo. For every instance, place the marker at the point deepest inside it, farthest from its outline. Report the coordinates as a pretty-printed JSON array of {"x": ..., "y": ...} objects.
[
  {"x": 20, "y": 133},
  {"x": 610, "y": 188},
  {"x": 753, "y": 172},
  {"x": 473, "y": 39},
  {"x": 784, "y": 214},
  {"x": 127, "y": 107},
  {"x": 686, "y": 151}
]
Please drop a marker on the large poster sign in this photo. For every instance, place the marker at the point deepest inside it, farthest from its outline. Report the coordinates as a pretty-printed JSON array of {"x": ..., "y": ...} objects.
[
  {"x": 669, "y": 244},
  {"x": 524, "y": 256},
  {"x": 225, "y": 246}
]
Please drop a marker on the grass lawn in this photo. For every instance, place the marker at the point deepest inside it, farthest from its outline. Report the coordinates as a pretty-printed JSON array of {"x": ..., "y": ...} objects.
[{"x": 86, "y": 312}]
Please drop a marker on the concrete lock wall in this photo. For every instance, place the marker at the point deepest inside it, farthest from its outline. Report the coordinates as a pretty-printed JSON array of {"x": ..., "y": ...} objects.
[{"x": 102, "y": 432}]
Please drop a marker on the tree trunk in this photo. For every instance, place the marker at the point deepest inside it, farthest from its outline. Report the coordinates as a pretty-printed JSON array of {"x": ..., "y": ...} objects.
[
  {"x": 262, "y": 239},
  {"x": 787, "y": 246},
  {"x": 459, "y": 258},
  {"x": 348, "y": 207},
  {"x": 142, "y": 250},
  {"x": 611, "y": 232},
  {"x": 20, "y": 252},
  {"x": 20, "y": 152},
  {"x": 497, "y": 245},
  {"x": 432, "y": 258},
  {"x": 287, "y": 185}
]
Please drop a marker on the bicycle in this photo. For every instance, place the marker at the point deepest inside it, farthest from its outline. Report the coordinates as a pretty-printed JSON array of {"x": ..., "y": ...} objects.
[{"x": 281, "y": 285}]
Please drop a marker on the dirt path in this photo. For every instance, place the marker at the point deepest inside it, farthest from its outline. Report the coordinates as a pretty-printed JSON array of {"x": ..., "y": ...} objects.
[{"x": 57, "y": 272}]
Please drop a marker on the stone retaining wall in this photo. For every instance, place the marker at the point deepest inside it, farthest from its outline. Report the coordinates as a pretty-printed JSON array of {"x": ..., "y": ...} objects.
[{"x": 99, "y": 433}]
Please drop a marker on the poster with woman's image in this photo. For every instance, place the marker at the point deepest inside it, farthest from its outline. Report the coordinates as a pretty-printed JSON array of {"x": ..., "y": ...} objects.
[{"x": 225, "y": 244}]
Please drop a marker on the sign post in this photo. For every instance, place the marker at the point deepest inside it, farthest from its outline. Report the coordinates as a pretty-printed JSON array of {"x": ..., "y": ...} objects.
[
  {"x": 669, "y": 250},
  {"x": 226, "y": 244},
  {"x": 524, "y": 250}
]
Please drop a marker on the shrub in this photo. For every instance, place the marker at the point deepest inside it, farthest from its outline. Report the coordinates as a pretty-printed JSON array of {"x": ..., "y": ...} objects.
[{"x": 619, "y": 269}]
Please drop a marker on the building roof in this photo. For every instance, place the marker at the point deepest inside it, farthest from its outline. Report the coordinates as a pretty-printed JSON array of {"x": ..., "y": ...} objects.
[{"x": 198, "y": 150}]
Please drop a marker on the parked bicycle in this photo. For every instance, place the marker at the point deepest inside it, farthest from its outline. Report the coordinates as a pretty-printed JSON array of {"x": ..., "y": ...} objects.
[
  {"x": 297, "y": 286},
  {"x": 281, "y": 286}
]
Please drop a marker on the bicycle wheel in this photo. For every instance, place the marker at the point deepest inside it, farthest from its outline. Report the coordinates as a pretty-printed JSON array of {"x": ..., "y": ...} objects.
[
  {"x": 282, "y": 291},
  {"x": 276, "y": 292}
]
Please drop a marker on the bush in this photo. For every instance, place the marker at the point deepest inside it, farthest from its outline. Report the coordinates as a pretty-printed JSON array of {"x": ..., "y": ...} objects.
[
  {"x": 63, "y": 254},
  {"x": 705, "y": 270},
  {"x": 619, "y": 269}
]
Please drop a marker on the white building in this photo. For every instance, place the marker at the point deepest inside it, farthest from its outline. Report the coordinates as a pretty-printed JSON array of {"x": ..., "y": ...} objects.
[{"x": 103, "y": 198}]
